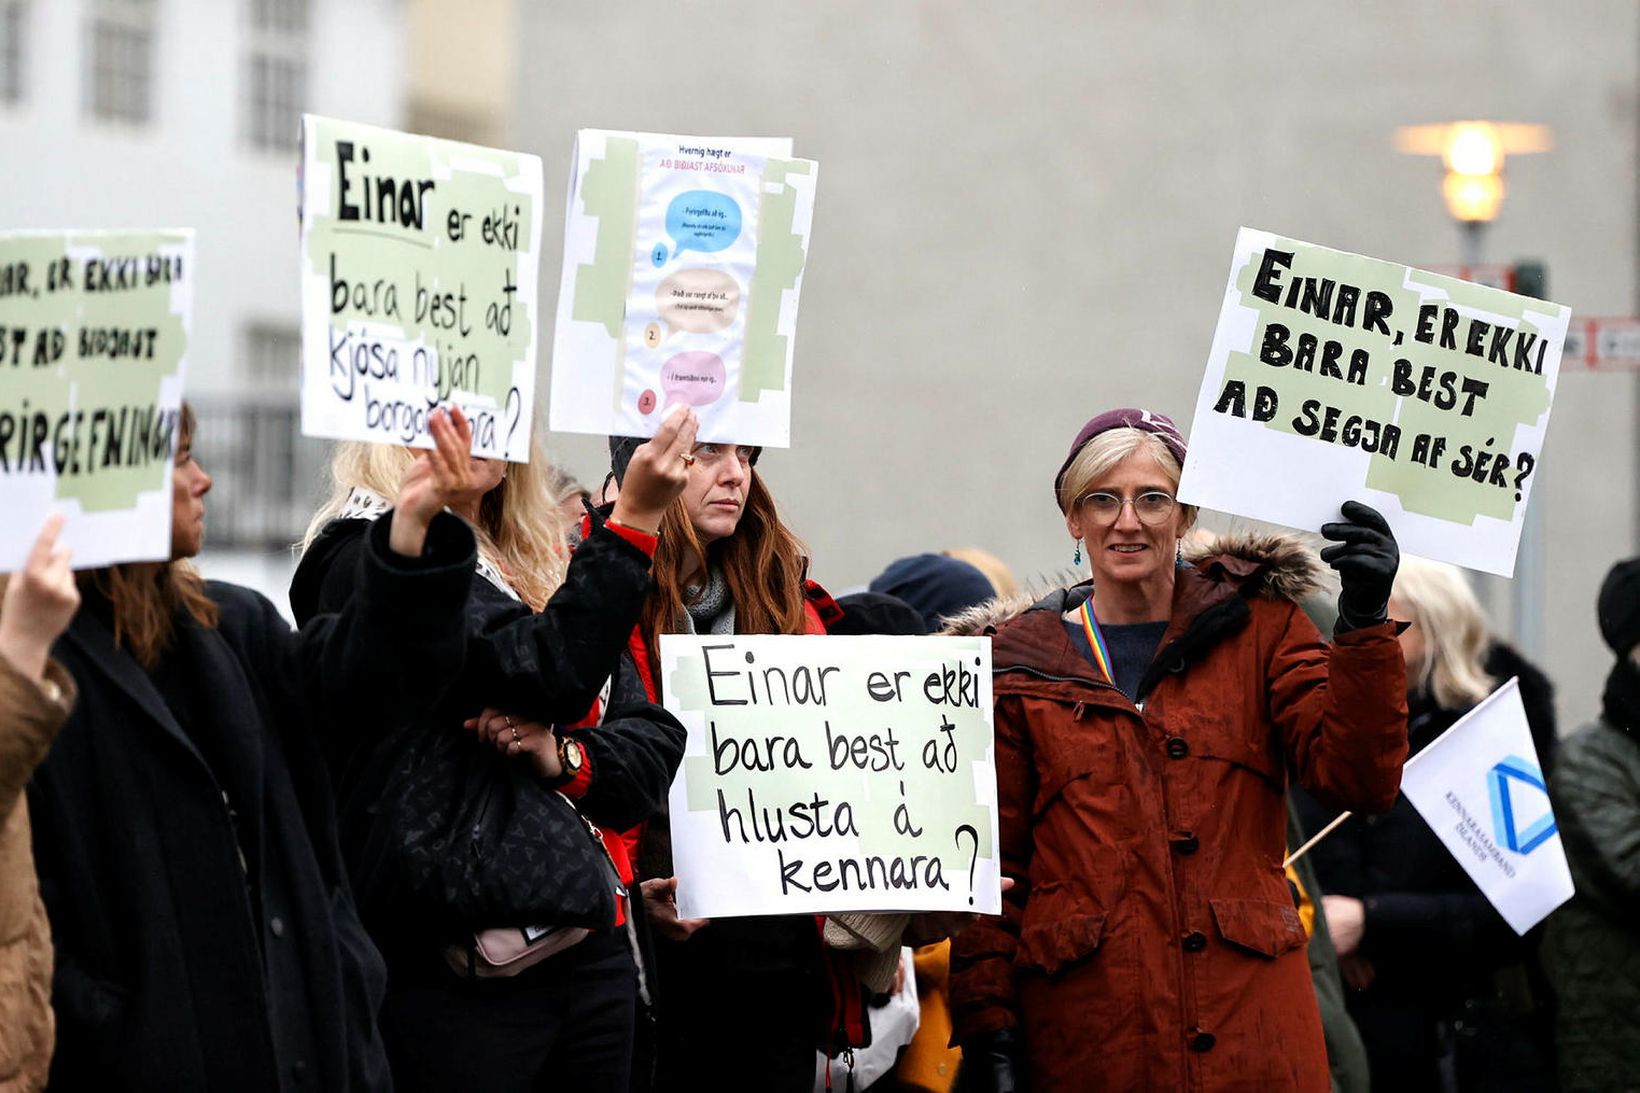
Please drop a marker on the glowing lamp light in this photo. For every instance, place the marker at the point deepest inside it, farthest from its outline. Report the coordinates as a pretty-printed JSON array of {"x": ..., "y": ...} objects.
[{"x": 1473, "y": 152}]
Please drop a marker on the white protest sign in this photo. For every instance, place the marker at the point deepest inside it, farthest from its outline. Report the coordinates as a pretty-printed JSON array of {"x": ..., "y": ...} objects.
[
  {"x": 683, "y": 262},
  {"x": 420, "y": 260},
  {"x": 1481, "y": 789},
  {"x": 1335, "y": 377},
  {"x": 830, "y": 774},
  {"x": 94, "y": 330}
]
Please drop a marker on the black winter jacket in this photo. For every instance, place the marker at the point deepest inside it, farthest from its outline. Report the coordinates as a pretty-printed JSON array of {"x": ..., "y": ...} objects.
[
  {"x": 205, "y": 934},
  {"x": 1435, "y": 943},
  {"x": 549, "y": 667}
]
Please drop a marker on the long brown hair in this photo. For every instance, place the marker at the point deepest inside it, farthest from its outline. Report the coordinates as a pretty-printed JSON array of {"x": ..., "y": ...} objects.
[
  {"x": 763, "y": 562},
  {"x": 150, "y": 597}
]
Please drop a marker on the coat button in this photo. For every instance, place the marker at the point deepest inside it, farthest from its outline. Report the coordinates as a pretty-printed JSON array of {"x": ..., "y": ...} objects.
[
  {"x": 1177, "y": 747},
  {"x": 1194, "y": 942},
  {"x": 1187, "y": 844},
  {"x": 1203, "y": 1041},
  {"x": 277, "y": 925}
]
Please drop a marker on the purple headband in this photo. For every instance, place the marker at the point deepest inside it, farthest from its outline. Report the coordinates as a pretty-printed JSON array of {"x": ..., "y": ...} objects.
[{"x": 1126, "y": 418}]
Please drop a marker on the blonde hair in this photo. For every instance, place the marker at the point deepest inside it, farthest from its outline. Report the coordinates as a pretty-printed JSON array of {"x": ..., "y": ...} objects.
[
  {"x": 995, "y": 569},
  {"x": 1100, "y": 456},
  {"x": 1444, "y": 608},
  {"x": 520, "y": 531}
]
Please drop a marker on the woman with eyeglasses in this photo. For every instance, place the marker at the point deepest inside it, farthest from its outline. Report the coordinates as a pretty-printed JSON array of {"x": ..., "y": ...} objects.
[
  {"x": 743, "y": 1002},
  {"x": 1146, "y": 723}
]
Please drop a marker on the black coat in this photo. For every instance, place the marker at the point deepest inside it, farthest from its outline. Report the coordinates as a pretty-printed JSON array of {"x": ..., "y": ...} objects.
[
  {"x": 1438, "y": 948},
  {"x": 549, "y": 667},
  {"x": 205, "y": 934}
]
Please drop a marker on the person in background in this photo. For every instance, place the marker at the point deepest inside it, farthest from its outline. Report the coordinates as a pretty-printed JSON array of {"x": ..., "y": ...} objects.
[
  {"x": 572, "y": 499},
  {"x": 495, "y": 763},
  {"x": 1145, "y": 727},
  {"x": 1003, "y": 581},
  {"x": 1439, "y": 983},
  {"x": 205, "y": 933},
  {"x": 36, "y": 695},
  {"x": 1592, "y": 947},
  {"x": 936, "y": 585}
]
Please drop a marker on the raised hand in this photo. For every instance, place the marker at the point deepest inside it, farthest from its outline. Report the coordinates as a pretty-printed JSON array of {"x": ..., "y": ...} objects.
[
  {"x": 657, "y": 473},
  {"x": 39, "y": 603},
  {"x": 437, "y": 477},
  {"x": 519, "y": 737},
  {"x": 1366, "y": 558}
]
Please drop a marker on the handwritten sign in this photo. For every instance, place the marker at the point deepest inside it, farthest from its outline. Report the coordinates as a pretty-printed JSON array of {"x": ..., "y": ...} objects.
[
  {"x": 420, "y": 260},
  {"x": 93, "y": 348},
  {"x": 683, "y": 261},
  {"x": 830, "y": 774},
  {"x": 1334, "y": 376}
]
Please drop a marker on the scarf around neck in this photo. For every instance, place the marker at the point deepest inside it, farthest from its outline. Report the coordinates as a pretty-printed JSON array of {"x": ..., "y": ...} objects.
[{"x": 709, "y": 607}]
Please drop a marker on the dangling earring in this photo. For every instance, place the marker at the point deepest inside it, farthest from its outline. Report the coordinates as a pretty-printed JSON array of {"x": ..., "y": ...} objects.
[
  {"x": 1076, "y": 559},
  {"x": 1178, "y": 554}
]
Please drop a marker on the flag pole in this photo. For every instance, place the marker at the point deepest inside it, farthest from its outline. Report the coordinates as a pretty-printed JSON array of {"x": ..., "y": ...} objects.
[{"x": 1317, "y": 837}]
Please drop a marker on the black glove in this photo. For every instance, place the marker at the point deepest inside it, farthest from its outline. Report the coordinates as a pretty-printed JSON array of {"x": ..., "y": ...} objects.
[
  {"x": 1366, "y": 558},
  {"x": 990, "y": 1064}
]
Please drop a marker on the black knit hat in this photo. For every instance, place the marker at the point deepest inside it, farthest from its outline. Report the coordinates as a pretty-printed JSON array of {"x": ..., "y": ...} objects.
[{"x": 1619, "y": 607}]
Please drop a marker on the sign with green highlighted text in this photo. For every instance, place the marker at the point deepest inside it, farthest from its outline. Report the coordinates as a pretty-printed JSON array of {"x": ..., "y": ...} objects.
[
  {"x": 1335, "y": 377},
  {"x": 831, "y": 774},
  {"x": 683, "y": 261},
  {"x": 420, "y": 260},
  {"x": 94, "y": 330}
]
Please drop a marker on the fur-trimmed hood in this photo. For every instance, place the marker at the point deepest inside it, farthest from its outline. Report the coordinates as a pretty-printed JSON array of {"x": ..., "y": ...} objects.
[{"x": 1267, "y": 564}]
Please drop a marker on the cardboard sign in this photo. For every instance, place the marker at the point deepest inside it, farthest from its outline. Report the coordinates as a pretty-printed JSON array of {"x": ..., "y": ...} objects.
[
  {"x": 93, "y": 349},
  {"x": 419, "y": 267},
  {"x": 830, "y": 774},
  {"x": 683, "y": 261},
  {"x": 1335, "y": 377}
]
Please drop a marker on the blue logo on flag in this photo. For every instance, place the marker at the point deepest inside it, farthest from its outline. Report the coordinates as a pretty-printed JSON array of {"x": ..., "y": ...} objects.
[{"x": 1514, "y": 768}]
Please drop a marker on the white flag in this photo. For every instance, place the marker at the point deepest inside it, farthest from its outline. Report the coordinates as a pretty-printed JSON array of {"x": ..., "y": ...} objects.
[{"x": 1481, "y": 789}]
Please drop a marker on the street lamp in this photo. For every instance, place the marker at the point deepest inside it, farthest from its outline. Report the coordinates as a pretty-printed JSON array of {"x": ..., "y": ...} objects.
[{"x": 1473, "y": 152}]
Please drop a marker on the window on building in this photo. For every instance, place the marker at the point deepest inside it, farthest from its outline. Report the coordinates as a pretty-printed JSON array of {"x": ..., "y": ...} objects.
[
  {"x": 275, "y": 72},
  {"x": 13, "y": 25},
  {"x": 120, "y": 55}
]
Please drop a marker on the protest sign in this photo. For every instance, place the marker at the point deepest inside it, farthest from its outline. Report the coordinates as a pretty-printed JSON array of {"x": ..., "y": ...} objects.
[
  {"x": 830, "y": 774},
  {"x": 419, "y": 267},
  {"x": 1336, "y": 377},
  {"x": 683, "y": 260},
  {"x": 93, "y": 347},
  {"x": 1481, "y": 789}
]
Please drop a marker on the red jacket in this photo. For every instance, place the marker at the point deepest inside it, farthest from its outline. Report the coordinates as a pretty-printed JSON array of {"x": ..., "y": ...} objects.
[{"x": 1152, "y": 942}]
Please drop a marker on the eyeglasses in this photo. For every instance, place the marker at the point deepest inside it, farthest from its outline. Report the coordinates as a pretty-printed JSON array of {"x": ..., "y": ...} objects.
[
  {"x": 1151, "y": 507},
  {"x": 711, "y": 453}
]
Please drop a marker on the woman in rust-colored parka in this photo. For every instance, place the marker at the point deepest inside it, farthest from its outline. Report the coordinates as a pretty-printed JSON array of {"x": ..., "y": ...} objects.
[{"x": 1146, "y": 724}]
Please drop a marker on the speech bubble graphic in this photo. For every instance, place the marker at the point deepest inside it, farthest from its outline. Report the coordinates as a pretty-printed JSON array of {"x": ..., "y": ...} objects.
[
  {"x": 694, "y": 377},
  {"x": 700, "y": 301},
  {"x": 701, "y": 220}
]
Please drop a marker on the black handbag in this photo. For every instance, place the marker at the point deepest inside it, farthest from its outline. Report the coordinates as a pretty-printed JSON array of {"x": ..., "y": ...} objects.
[{"x": 479, "y": 835}]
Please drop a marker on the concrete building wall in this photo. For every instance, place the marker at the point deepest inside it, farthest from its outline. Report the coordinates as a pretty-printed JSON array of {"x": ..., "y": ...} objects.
[
  {"x": 190, "y": 165},
  {"x": 1025, "y": 214}
]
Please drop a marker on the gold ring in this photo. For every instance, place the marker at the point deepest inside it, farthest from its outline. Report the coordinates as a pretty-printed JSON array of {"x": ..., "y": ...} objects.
[
  {"x": 514, "y": 729},
  {"x": 507, "y": 717},
  {"x": 688, "y": 460}
]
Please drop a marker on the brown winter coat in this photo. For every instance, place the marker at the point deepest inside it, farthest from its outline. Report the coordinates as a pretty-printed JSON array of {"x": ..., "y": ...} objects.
[
  {"x": 1151, "y": 942},
  {"x": 28, "y": 722}
]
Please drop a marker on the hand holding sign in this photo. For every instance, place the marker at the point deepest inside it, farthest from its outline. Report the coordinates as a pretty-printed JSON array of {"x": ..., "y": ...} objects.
[
  {"x": 657, "y": 472},
  {"x": 1366, "y": 558},
  {"x": 437, "y": 478},
  {"x": 40, "y": 600}
]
